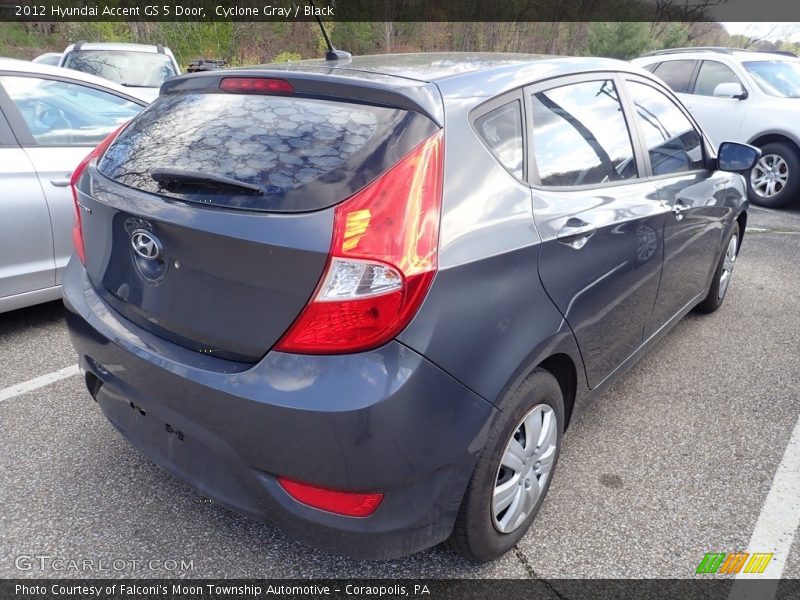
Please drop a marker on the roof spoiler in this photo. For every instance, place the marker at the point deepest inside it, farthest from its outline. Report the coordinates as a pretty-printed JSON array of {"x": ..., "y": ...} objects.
[
  {"x": 782, "y": 53},
  {"x": 418, "y": 96}
]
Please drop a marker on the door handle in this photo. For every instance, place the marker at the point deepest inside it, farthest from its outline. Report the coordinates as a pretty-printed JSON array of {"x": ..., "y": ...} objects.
[
  {"x": 63, "y": 182},
  {"x": 679, "y": 209},
  {"x": 576, "y": 235}
]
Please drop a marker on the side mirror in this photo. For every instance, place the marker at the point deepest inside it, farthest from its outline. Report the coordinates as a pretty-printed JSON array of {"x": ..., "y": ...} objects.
[
  {"x": 730, "y": 90},
  {"x": 736, "y": 157}
]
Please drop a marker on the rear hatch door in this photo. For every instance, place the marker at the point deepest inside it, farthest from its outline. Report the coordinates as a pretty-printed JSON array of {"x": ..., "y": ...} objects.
[{"x": 208, "y": 221}]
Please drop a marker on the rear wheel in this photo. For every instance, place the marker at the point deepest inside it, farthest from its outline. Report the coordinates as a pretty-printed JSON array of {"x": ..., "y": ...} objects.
[
  {"x": 774, "y": 181},
  {"x": 723, "y": 274},
  {"x": 514, "y": 471}
]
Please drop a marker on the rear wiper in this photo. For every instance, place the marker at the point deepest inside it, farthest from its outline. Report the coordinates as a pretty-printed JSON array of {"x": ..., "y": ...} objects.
[{"x": 165, "y": 176}]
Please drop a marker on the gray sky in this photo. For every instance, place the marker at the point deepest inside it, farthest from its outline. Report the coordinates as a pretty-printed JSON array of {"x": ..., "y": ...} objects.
[{"x": 769, "y": 30}]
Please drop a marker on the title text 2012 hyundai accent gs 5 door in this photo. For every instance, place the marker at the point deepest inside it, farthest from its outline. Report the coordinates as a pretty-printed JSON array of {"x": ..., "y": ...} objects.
[{"x": 364, "y": 301}]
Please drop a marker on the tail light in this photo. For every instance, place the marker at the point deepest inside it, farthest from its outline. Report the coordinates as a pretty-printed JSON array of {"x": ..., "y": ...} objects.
[
  {"x": 382, "y": 261},
  {"x": 349, "y": 504},
  {"x": 77, "y": 225}
]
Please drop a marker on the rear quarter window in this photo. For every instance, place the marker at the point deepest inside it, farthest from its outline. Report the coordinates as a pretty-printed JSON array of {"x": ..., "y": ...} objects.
[
  {"x": 501, "y": 131},
  {"x": 302, "y": 153}
]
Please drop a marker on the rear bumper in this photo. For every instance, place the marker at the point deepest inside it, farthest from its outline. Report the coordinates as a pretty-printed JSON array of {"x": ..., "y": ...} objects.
[{"x": 386, "y": 420}]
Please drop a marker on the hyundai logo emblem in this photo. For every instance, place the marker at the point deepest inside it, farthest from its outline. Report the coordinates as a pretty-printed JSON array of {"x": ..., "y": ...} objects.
[{"x": 145, "y": 244}]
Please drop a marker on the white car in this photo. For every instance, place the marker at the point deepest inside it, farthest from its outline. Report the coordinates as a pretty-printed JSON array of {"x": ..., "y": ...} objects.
[
  {"x": 743, "y": 96},
  {"x": 49, "y": 58},
  {"x": 50, "y": 119},
  {"x": 132, "y": 65}
]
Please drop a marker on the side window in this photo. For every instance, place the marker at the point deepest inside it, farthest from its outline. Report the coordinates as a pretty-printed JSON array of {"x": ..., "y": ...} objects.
[
  {"x": 711, "y": 74},
  {"x": 677, "y": 74},
  {"x": 501, "y": 131},
  {"x": 580, "y": 136},
  {"x": 58, "y": 113},
  {"x": 674, "y": 145},
  {"x": 651, "y": 67}
]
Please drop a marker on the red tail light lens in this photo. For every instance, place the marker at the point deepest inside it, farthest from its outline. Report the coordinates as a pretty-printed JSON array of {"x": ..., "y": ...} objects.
[
  {"x": 255, "y": 85},
  {"x": 77, "y": 224},
  {"x": 383, "y": 259},
  {"x": 349, "y": 504}
]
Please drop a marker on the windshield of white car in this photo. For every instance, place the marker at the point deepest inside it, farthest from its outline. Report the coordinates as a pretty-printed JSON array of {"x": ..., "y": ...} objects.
[
  {"x": 779, "y": 78},
  {"x": 133, "y": 69}
]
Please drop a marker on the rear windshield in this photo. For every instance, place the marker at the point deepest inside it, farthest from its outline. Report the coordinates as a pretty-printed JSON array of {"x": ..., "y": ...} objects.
[
  {"x": 299, "y": 153},
  {"x": 133, "y": 69}
]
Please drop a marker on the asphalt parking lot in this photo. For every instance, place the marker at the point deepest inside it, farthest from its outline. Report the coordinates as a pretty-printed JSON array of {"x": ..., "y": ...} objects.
[{"x": 675, "y": 461}]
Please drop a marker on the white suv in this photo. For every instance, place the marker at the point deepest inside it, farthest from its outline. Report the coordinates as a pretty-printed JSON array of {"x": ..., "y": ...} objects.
[
  {"x": 751, "y": 97},
  {"x": 132, "y": 65}
]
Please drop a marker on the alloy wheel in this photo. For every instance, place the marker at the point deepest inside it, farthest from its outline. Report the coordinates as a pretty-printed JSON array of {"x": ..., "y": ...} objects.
[{"x": 769, "y": 176}]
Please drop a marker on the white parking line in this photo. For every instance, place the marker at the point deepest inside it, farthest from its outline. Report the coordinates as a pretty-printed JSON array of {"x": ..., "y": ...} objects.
[
  {"x": 37, "y": 382},
  {"x": 779, "y": 519}
]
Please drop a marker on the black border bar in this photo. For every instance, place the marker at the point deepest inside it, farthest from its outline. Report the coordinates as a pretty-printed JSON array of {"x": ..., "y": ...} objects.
[
  {"x": 399, "y": 10},
  {"x": 706, "y": 587}
]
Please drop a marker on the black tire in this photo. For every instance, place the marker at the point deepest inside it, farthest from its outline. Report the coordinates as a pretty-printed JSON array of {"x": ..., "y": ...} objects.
[
  {"x": 475, "y": 535},
  {"x": 714, "y": 300},
  {"x": 790, "y": 191}
]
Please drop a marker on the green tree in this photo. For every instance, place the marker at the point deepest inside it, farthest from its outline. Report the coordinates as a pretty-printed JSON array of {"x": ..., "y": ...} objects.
[
  {"x": 675, "y": 35},
  {"x": 98, "y": 31},
  {"x": 623, "y": 39},
  {"x": 287, "y": 57}
]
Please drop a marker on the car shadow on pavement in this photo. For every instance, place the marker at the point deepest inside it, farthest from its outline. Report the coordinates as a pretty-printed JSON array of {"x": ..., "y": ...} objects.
[{"x": 23, "y": 319}]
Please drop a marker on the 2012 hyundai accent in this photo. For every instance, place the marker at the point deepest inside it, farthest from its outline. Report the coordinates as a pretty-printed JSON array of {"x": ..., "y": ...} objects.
[{"x": 363, "y": 300}]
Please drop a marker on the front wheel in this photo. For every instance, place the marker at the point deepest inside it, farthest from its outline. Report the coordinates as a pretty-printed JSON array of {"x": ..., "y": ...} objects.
[
  {"x": 513, "y": 472},
  {"x": 723, "y": 274},
  {"x": 774, "y": 181}
]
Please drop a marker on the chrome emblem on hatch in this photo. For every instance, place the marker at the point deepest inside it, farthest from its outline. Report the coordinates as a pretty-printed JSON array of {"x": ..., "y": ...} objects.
[{"x": 145, "y": 244}]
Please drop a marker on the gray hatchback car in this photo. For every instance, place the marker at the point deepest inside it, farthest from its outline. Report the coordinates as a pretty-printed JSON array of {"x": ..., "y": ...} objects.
[{"x": 364, "y": 300}]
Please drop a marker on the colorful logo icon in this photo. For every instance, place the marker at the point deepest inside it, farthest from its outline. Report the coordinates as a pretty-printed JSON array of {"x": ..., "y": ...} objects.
[{"x": 731, "y": 564}]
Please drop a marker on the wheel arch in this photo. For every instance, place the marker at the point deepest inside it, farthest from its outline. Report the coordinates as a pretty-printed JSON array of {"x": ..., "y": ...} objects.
[
  {"x": 563, "y": 368},
  {"x": 561, "y": 358},
  {"x": 741, "y": 219},
  {"x": 773, "y": 137}
]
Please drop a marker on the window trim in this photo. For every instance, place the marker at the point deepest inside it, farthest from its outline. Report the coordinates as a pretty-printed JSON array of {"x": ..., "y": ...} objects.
[
  {"x": 493, "y": 104},
  {"x": 528, "y": 91},
  {"x": 709, "y": 155},
  {"x": 17, "y": 123}
]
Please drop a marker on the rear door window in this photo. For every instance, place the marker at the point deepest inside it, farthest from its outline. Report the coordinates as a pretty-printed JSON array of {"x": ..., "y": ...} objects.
[
  {"x": 677, "y": 74},
  {"x": 580, "y": 136},
  {"x": 298, "y": 153}
]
